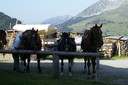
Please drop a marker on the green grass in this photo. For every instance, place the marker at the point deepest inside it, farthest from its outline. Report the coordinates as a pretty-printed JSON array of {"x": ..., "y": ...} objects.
[
  {"x": 120, "y": 57},
  {"x": 115, "y": 58},
  {"x": 14, "y": 78}
]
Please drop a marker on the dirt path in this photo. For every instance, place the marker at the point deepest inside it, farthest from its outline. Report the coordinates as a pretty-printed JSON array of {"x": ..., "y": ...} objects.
[{"x": 113, "y": 71}]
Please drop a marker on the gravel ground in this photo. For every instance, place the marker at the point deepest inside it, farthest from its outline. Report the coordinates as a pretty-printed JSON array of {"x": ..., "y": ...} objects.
[{"x": 113, "y": 71}]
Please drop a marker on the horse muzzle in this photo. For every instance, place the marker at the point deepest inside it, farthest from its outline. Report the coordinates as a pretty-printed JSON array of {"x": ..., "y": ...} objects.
[{"x": 4, "y": 41}]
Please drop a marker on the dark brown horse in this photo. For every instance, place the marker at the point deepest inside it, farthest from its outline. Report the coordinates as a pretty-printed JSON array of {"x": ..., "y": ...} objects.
[
  {"x": 91, "y": 42},
  {"x": 3, "y": 40},
  {"x": 27, "y": 40},
  {"x": 31, "y": 40},
  {"x": 66, "y": 43}
]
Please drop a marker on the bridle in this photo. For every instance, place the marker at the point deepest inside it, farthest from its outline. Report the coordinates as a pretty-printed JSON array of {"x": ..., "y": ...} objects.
[{"x": 97, "y": 37}]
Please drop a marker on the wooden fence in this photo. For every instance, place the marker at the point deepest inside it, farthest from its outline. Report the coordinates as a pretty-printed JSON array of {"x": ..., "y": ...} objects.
[{"x": 55, "y": 56}]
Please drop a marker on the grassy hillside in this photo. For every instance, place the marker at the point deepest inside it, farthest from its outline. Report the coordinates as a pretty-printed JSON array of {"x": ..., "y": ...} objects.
[{"x": 115, "y": 22}]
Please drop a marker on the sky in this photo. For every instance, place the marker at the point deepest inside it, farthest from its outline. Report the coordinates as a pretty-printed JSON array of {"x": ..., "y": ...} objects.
[{"x": 36, "y": 11}]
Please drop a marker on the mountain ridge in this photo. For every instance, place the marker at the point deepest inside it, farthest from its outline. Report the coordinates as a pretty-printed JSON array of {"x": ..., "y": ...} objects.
[
  {"x": 57, "y": 20},
  {"x": 7, "y": 22},
  {"x": 114, "y": 20},
  {"x": 100, "y": 7}
]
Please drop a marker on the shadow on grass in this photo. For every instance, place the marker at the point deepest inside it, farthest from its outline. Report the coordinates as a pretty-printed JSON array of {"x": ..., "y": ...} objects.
[{"x": 106, "y": 73}]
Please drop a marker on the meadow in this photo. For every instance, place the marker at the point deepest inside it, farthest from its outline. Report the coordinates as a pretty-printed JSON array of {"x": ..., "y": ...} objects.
[{"x": 14, "y": 78}]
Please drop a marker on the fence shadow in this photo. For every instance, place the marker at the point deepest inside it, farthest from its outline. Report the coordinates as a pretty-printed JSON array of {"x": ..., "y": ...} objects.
[{"x": 106, "y": 73}]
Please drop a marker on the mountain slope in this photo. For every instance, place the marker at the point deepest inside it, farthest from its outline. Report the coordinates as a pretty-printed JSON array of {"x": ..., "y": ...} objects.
[
  {"x": 115, "y": 19},
  {"x": 5, "y": 21},
  {"x": 100, "y": 7},
  {"x": 57, "y": 20}
]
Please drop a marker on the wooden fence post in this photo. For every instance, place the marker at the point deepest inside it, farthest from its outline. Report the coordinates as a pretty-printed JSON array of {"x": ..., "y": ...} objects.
[{"x": 55, "y": 66}]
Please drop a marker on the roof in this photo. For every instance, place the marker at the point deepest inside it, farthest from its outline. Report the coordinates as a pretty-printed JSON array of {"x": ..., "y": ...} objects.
[
  {"x": 117, "y": 37},
  {"x": 43, "y": 28}
]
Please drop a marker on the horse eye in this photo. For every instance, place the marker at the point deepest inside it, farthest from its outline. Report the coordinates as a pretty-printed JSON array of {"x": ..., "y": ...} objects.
[{"x": 100, "y": 31}]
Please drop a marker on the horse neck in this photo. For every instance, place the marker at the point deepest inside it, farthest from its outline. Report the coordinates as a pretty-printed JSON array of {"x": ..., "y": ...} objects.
[
  {"x": 62, "y": 43},
  {"x": 1, "y": 45},
  {"x": 87, "y": 37},
  {"x": 37, "y": 41}
]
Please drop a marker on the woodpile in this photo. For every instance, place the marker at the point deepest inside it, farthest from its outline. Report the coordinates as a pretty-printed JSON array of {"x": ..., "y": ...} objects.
[
  {"x": 107, "y": 50},
  {"x": 113, "y": 47},
  {"x": 10, "y": 37}
]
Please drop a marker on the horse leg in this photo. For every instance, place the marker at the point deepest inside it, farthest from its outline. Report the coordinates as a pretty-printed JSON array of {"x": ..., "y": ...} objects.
[
  {"x": 93, "y": 64},
  {"x": 84, "y": 65},
  {"x": 16, "y": 62},
  {"x": 93, "y": 67},
  {"x": 38, "y": 61},
  {"x": 28, "y": 61},
  {"x": 62, "y": 65},
  {"x": 88, "y": 64},
  {"x": 24, "y": 62},
  {"x": 70, "y": 66}
]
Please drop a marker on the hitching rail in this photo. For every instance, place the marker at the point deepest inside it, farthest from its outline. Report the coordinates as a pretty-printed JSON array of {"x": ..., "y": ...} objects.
[{"x": 55, "y": 56}]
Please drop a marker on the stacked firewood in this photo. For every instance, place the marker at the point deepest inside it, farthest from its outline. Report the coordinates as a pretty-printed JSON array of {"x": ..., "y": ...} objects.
[{"x": 113, "y": 47}]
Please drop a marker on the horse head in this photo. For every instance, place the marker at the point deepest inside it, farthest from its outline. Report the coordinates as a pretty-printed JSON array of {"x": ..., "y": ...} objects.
[
  {"x": 65, "y": 35},
  {"x": 66, "y": 43},
  {"x": 97, "y": 33},
  {"x": 35, "y": 39},
  {"x": 3, "y": 37}
]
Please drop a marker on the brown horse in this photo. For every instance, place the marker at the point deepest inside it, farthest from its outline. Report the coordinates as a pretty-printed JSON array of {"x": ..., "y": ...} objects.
[
  {"x": 27, "y": 40},
  {"x": 91, "y": 42},
  {"x": 3, "y": 40},
  {"x": 30, "y": 40},
  {"x": 66, "y": 43}
]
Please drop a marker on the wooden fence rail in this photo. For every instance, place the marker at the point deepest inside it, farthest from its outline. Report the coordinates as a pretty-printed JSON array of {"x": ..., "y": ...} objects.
[{"x": 55, "y": 56}]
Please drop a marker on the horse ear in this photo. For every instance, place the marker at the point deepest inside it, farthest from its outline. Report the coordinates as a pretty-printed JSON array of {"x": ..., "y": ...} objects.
[
  {"x": 100, "y": 25},
  {"x": 37, "y": 30},
  {"x": 69, "y": 34},
  {"x": 33, "y": 28},
  {"x": 95, "y": 25}
]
